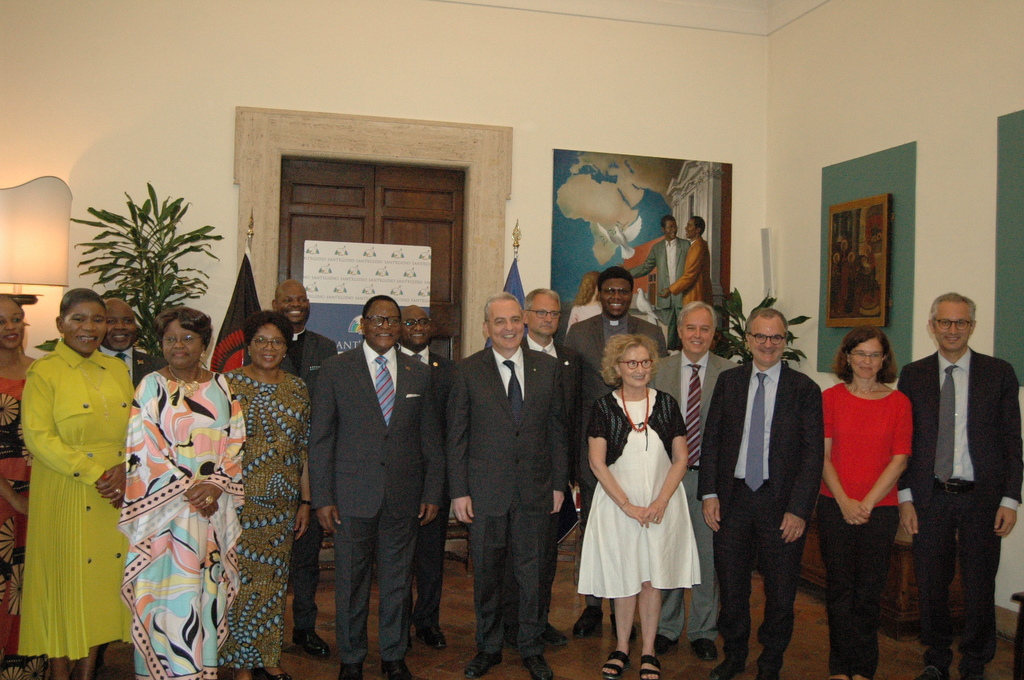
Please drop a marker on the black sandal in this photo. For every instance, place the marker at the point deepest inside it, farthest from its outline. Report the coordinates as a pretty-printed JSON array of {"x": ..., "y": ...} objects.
[
  {"x": 650, "y": 673},
  {"x": 610, "y": 671}
]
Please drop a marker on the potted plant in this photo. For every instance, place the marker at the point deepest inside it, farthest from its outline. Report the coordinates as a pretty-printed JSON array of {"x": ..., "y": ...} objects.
[{"x": 731, "y": 340}]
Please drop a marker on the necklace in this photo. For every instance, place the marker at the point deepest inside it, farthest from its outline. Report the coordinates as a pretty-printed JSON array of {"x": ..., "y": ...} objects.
[
  {"x": 647, "y": 402},
  {"x": 874, "y": 388},
  {"x": 189, "y": 387},
  {"x": 96, "y": 388}
]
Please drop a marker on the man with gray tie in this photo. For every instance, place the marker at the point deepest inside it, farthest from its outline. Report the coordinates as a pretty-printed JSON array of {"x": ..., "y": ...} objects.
[
  {"x": 761, "y": 461},
  {"x": 690, "y": 377},
  {"x": 962, "y": 481}
]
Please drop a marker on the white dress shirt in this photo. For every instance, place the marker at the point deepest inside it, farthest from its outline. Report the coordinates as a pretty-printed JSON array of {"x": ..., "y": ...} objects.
[{"x": 506, "y": 375}]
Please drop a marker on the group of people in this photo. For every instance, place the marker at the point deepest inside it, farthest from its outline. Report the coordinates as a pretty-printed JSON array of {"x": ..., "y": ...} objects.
[{"x": 192, "y": 502}]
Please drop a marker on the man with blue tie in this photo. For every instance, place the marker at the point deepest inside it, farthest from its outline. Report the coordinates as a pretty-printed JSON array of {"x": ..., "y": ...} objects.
[
  {"x": 761, "y": 461},
  {"x": 962, "y": 482}
]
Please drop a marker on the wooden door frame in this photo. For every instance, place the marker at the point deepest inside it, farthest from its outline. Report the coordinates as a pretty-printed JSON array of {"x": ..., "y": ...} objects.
[{"x": 263, "y": 136}]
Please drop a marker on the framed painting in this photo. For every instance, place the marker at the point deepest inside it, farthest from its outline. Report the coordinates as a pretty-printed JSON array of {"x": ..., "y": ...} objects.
[{"x": 859, "y": 243}]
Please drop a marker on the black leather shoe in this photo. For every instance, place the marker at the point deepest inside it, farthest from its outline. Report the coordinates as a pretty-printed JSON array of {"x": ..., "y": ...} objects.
[
  {"x": 395, "y": 670},
  {"x": 704, "y": 649},
  {"x": 552, "y": 638},
  {"x": 663, "y": 644},
  {"x": 310, "y": 642},
  {"x": 589, "y": 622},
  {"x": 432, "y": 637},
  {"x": 351, "y": 671},
  {"x": 727, "y": 670},
  {"x": 933, "y": 673},
  {"x": 538, "y": 667},
  {"x": 482, "y": 663}
]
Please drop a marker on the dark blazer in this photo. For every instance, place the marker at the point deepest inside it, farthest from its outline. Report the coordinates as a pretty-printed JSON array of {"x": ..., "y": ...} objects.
[
  {"x": 143, "y": 364},
  {"x": 315, "y": 349},
  {"x": 795, "y": 452},
  {"x": 993, "y": 426},
  {"x": 668, "y": 379},
  {"x": 492, "y": 458},
  {"x": 571, "y": 369},
  {"x": 356, "y": 461}
]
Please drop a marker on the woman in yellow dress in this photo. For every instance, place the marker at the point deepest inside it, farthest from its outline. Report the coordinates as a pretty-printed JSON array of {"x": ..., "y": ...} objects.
[{"x": 75, "y": 417}]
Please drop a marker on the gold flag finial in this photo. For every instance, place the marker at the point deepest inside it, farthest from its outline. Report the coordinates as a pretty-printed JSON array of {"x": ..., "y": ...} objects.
[{"x": 516, "y": 235}]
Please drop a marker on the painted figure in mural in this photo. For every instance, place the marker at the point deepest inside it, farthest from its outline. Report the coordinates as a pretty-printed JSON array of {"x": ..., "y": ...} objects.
[{"x": 668, "y": 258}]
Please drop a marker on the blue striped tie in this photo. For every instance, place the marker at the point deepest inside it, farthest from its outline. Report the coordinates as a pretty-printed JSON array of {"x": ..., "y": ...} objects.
[{"x": 385, "y": 389}]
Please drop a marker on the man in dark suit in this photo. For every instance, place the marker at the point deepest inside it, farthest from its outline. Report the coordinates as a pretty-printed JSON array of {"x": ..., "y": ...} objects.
[
  {"x": 761, "y": 462},
  {"x": 428, "y": 562},
  {"x": 122, "y": 334},
  {"x": 376, "y": 470},
  {"x": 306, "y": 353},
  {"x": 588, "y": 338},
  {"x": 960, "y": 491},
  {"x": 690, "y": 377},
  {"x": 543, "y": 309},
  {"x": 506, "y": 472},
  {"x": 668, "y": 257}
]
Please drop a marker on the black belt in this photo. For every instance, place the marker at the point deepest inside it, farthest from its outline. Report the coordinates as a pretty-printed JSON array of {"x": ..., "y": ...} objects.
[{"x": 954, "y": 486}]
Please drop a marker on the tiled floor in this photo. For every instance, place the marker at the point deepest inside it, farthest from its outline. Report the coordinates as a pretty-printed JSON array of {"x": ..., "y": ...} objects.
[{"x": 807, "y": 657}]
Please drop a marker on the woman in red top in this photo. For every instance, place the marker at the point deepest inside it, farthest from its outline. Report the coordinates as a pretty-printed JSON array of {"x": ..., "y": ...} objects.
[{"x": 868, "y": 431}]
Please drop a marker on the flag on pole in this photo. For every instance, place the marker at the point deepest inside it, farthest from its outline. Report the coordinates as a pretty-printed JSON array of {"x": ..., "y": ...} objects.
[
  {"x": 514, "y": 284},
  {"x": 229, "y": 353}
]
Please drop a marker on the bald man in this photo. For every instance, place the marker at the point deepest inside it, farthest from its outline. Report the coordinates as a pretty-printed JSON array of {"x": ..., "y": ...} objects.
[
  {"x": 122, "y": 334},
  {"x": 306, "y": 353}
]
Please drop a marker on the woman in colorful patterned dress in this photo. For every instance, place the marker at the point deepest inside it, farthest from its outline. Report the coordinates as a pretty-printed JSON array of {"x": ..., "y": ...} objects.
[
  {"x": 184, "y": 486},
  {"x": 75, "y": 413},
  {"x": 276, "y": 408},
  {"x": 15, "y": 466}
]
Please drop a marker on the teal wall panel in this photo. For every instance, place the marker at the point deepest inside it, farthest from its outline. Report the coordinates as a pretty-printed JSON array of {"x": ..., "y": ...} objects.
[
  {"x": 893, "y": 171},
  {"x": 1009, "y": 330}
]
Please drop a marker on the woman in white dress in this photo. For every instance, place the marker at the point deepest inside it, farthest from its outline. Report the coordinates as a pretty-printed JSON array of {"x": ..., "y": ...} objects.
[{"x": 639, "y": 539}]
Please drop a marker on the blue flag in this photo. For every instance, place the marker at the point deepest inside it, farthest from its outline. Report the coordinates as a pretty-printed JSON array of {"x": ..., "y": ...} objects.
[{"x": 514, "y": 284}]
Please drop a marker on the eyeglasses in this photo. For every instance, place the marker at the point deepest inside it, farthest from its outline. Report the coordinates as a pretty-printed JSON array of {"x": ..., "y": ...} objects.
[
  {"x": 633, "y": 363},
  {"x": 261, "y": 342},
  {"x": 187, "y": 339},
  {"x": 412, "y": 323},
  {"x": 874, "y": 356},
  {"x": 961, "y": 324},
  {"x": 543, "y": 313},
  {"x": 761, "y": 338},
  {"x": 389, "y": 321}
]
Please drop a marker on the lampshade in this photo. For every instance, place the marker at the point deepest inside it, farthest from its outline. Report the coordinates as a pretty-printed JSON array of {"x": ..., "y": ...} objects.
[{"x": 34, "y": 221}]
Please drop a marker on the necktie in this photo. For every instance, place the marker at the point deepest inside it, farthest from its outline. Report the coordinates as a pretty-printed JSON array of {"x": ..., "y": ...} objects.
[
  {"x": 692, "y": 417},
  {"x": 123, "y": 356},
  {"x": 385, "y": 389},
  {"x": 947, "y": 426},
  {"x": 515, "y": 392},
  {"x": 755, "y": 439}
]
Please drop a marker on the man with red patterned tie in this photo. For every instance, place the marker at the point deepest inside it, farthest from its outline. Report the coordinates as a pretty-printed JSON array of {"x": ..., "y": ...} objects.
[{"x": 690, "y": 378}]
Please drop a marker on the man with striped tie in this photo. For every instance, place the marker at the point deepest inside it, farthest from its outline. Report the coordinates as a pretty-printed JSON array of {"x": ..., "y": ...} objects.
[
  {"x": 690, "y": 378},
  {"x": 376, "y": 470}
]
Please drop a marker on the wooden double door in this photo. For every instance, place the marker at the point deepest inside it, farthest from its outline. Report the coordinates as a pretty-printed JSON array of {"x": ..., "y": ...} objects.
[{"x": 397, "y": 205}]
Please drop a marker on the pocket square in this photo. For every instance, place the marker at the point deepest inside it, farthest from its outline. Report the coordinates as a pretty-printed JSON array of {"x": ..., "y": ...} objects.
[{"x": 412, "y": 396}]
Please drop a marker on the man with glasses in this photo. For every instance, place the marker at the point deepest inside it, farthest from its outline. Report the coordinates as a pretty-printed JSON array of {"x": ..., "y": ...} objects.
[
  {"x": 306, "y": 353},
  {"x": 760, "y": 470},
  {"x": 428, "y": 562},
  {"x": 959, "y": 494},
  {"x": 507, "y": 470},
  {"x": 543, "y": 310},
  {"x": 376, "y": 471},
  {"x": 588, "y": 338}
]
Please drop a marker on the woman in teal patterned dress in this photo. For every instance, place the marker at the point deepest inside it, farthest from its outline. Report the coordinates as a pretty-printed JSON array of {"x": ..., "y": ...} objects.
[{"x": 276, "y": 509}]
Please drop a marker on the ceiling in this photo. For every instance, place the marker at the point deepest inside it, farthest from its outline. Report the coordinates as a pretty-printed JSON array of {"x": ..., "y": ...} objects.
[{"x": 753, "y": 17}]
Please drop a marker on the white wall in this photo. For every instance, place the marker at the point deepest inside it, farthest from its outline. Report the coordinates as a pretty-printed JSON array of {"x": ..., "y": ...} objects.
[
  {"x": 857, "y": 76},
  {"x": 110, "y": 95}
]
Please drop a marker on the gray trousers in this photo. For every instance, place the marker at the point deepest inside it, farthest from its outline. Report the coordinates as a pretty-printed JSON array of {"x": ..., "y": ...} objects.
[{"x": 703, "y": 619}]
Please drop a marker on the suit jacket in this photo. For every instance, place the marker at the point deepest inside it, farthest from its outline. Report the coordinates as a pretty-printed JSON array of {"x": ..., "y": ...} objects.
[
  {"x": 993, "y": 426},
  {"x": 356, "y": 461},
  {"x": 796, "y": 448},
  {"x": 143, "y": 364},
  {"x": 315, "y": 349},
  {"x": 695, "y": 283},
  {"x": 571, "y": 369},
  {"x": 657, "y": 258},
  {"x": 587, "y": 339},
  {"x": 668, "y": 379},
  {"x": 492, "y": 458}
]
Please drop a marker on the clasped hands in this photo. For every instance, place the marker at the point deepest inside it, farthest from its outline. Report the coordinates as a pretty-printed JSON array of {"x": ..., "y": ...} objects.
[
  {"x": 111, "y": 485},
  {"x": 203, "y": 498},
  {"x": 646, "y": 516}
]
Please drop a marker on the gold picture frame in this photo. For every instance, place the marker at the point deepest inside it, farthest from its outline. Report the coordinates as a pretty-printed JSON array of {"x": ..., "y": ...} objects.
[{"x": 859, "y": 248}]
